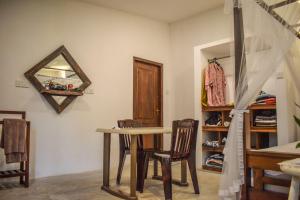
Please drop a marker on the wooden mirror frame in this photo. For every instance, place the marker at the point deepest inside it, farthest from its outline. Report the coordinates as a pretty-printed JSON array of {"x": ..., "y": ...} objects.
[{"x": 70, "y": 96}]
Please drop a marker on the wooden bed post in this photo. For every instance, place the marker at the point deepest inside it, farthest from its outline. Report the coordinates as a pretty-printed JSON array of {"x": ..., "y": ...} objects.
[
  {"x": 240, "y": 59},
  {"x": 240, "y": 64}
]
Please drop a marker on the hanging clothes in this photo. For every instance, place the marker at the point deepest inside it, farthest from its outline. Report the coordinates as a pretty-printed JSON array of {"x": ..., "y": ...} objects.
[
  {"x": 215, "y": 84},
  {"x": 203, "y": 91}
]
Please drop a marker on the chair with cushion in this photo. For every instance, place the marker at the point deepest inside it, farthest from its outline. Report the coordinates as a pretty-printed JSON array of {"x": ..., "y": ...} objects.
[{"x": 183, "y": 147}]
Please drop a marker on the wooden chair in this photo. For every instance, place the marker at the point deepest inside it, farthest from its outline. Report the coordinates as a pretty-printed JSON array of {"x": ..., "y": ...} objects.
[
  {"x": 125, "y": 150},
  {"x": 183, "y": 147}
]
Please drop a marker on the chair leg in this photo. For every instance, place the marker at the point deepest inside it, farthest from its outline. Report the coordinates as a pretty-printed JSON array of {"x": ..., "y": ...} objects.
[
  {"x": 193, "y": 171},
  {"x": 144, "y": 171},
  {"x": 140, "y": 170},
  {"x": 146, "y": 165},
  {"x": 121, "y": 165},
  {"x": 167, "y": 177}
]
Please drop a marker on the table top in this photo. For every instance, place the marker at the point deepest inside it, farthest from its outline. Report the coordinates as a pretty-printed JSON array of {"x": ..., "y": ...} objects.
[
  {"x": 291, "y": 167},
  {"x": 286, "y": 148},
  {"x": 136, "y": 131}
]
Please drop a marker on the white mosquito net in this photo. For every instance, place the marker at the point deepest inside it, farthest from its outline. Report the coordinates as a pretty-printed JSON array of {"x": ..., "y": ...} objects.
[{"x": 268, "y": 45}]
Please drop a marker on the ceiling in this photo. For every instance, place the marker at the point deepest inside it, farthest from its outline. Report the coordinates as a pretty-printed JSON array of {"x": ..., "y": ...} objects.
[{"x": 164, "y": 10}]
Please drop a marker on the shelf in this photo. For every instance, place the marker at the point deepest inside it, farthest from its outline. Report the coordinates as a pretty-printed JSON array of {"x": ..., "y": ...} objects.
[
  {"x": 263, "y": 129},
  {"x": 217, "y": 108},
  {"x": 215, "y": 128},
  {"x": 11, "y": 173},
  {"x": 215, "y": 169},
  {"x": 262, "y": 107},
  {"x": 61, "y": 92},
  {"x": 213, "y": 149}
]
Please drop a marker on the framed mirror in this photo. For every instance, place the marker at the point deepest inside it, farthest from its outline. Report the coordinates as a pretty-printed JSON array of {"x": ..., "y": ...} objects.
[{"x": 58, "y": 78}]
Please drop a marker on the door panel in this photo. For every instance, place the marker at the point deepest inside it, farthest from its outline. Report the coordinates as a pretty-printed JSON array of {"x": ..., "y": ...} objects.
[{"x": 147, "y": 95}]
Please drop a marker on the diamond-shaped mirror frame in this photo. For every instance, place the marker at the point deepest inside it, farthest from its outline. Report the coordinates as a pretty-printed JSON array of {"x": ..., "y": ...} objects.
[{"x": 30, "y": 75}]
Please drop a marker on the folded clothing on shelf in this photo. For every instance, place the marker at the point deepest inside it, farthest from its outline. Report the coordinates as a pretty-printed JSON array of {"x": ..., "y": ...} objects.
[
  {"x": 266, "y": 118},
  {"x": 226, "y": 124},
  {"x": 224, "y": 141},
  {"x": 215, "y": 160},
  {"x": 214, "y": 144},
  {"x": 264, "y": 98},
  {"x": 266, "y": 125},
  {"x": 262, "y": 117},
  {"x": 267, "y": 101},
  {"x": 214, "y": 119}
]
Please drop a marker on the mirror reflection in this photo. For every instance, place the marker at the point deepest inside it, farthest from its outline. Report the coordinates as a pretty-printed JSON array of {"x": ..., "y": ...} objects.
[{"x": 59, "y": 75}]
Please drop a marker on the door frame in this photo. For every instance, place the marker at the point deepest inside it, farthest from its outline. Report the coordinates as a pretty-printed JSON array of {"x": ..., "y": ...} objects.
[{"x": 160, "y": 66}]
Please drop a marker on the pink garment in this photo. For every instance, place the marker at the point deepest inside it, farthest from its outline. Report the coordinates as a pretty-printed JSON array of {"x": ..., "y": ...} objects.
[{"x": 215, "y": 84}]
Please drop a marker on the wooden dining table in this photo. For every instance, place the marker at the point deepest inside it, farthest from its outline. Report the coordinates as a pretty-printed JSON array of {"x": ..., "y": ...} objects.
[{"x": 133, "y": 132}]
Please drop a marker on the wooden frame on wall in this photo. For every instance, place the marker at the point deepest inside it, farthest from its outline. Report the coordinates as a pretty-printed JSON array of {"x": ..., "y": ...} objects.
[{"x": 70, "y": 96}]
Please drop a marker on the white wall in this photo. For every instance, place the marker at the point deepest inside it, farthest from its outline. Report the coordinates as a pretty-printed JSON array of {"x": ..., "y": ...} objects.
[
  {"x": 103, "y": 42},
  {"x": 207, "y": 27}
]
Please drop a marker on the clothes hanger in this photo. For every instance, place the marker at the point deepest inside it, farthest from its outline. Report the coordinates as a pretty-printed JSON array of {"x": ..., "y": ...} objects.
[{"x": 214, "y": 60}]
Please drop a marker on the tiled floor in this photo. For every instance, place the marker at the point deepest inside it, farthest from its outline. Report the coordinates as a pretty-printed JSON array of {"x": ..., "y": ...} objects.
[{"x": 86, "y": 186}]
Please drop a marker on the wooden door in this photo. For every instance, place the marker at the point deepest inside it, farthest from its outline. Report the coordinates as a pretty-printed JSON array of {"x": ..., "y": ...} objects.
[{"x": 147, "y": 95}]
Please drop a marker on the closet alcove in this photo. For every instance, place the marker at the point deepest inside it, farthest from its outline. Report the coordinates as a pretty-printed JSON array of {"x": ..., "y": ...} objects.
[{"x": 277, "y": 85}]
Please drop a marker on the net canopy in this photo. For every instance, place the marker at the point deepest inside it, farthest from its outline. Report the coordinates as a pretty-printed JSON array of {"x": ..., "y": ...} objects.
[{"x": 270, "y": 42}]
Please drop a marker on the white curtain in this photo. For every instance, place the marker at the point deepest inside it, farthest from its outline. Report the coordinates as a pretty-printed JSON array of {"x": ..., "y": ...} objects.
[{"x": 267, "y": 44}]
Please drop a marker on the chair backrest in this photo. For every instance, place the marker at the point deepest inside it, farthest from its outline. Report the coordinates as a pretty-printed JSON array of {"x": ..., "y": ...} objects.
[
  {"x": 184, "y": 138},
  {"x": 125, "y": 138}
]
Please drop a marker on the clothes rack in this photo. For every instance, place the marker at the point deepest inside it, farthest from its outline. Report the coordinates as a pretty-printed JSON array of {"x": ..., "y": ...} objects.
[
  {"x": 215, "y": 59},
  {"x": 23, "y": 171}
]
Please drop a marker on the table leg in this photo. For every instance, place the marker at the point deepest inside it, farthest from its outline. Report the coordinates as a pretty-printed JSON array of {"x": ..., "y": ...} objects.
[
  {"x": 106, "y": 167},
  {"x": 133, "y": 153},
  {"x": 294, "y": 189},
  {"x": 106, "y": 159},
  {"x": 155, "y": 162},
  {"x": 155, "y": 168}
]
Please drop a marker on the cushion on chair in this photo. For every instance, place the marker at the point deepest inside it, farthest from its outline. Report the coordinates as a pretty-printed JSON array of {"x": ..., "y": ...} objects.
[{"x": 162, "y": 154}]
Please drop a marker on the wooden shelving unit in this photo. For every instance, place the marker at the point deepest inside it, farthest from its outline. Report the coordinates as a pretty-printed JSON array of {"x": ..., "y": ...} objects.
[
  {"x": 215, "y": 169},
  {"x": 215, "y": 128},
  {"x": 254, "y": 129},
  {"x": 213, "y": 149},
  {"x": 262, "y": 107},
  {"x": 12, "y": 173},
  {"x": 61, "y": 92},
  {"x": 214, "y": 133},
  {"x": 217, "y": 108},
  {"x": 260, "y": 134}
]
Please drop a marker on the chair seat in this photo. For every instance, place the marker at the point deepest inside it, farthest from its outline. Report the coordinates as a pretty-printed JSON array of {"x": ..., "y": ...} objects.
[{"x": 162, "y": 154}]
